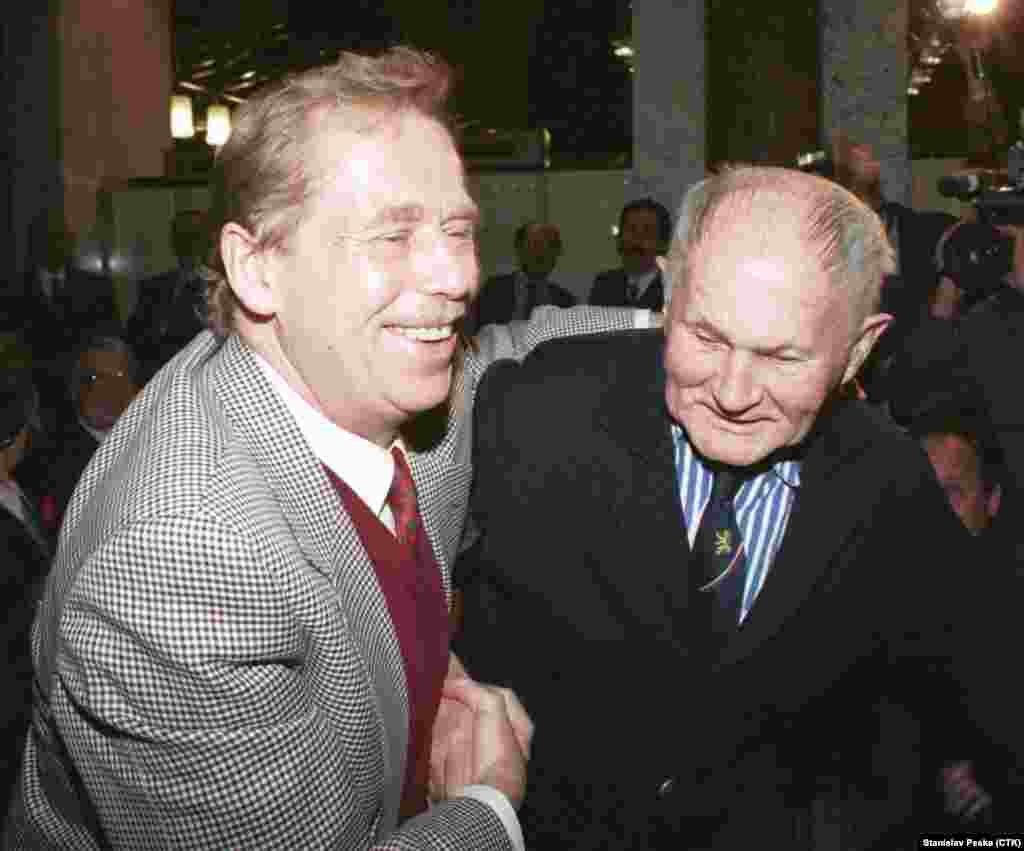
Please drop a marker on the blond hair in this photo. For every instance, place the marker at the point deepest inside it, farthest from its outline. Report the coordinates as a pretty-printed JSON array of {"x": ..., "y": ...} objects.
[{"x": 261, "y": 177}]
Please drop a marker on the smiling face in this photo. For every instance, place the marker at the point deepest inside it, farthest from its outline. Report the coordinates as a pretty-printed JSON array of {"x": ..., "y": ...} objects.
[
  {"x": 365, "y": 292},
  {"x": 757, "y": 338}
]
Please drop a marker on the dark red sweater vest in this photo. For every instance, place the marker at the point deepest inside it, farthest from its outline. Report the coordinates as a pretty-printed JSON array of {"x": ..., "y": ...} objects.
[{"x": 410, "y": 580}]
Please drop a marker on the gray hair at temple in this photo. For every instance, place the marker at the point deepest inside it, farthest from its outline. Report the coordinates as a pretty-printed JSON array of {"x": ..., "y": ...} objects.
[
  {"x": 261, "y": 177},
  {"x": 847, "y": 236}
]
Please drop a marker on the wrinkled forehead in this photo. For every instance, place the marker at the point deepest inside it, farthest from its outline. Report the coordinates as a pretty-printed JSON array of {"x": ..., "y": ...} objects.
[
  {"x": 749, "y": 230},
  {"x": 371, "y": 153}
]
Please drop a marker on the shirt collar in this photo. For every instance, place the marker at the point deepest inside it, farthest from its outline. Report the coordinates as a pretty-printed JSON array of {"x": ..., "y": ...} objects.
[
  {"x": 97, "y": 435},
  {"x": 366, "y": 468},
  {"x": 787, "y": 470}
]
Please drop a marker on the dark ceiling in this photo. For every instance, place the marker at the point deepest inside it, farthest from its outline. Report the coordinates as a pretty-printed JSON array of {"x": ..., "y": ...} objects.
[
  {"x": 223, "y": 50},
  {"x": 226, "y": 49}
]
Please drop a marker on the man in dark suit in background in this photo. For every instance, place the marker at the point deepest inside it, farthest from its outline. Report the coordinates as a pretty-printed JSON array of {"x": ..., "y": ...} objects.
[
  {"x": 914, "y": 234},
  {"x": 645, "y": 228},
  {"x": 729, "y": 551},
  {"x": 514, "y": 296},
  {"x": 170, "y": 307}
]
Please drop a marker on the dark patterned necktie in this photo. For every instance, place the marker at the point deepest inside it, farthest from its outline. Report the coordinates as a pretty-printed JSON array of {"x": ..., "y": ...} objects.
[
  {"x": 402, "y": 499},
  {"x": 719, "y": 547}
]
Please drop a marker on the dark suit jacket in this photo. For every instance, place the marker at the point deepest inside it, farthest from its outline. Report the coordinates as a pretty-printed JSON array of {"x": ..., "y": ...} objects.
[
  {"x": 25, "y": 565},
  {"x": 167, "y": 316},
  {"x": 63, "y": 463},
  {"x": 973, "y": 364},
  {"x": 609, "y": 290},
  {"x": 915, "y": 234},
  {"x": 497, "y": 300},
  {"x": 580, "y": 601}
]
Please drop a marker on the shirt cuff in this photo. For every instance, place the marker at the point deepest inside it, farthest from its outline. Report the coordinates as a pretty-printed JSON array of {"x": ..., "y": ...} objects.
[
  {"x": 501, "y": 805},
  {"x": 643, "y": 319}
]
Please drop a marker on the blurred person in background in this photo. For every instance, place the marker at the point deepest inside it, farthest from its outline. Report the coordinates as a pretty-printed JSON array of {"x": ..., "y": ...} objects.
[
  {"x": 644, "y": 231},
  {"x": 514, "y": 296}
]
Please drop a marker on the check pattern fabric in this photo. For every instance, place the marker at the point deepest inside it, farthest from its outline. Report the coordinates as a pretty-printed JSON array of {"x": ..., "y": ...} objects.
[
  {"x": 215, "y": 663},
  {"x": 763, "y": 505}
]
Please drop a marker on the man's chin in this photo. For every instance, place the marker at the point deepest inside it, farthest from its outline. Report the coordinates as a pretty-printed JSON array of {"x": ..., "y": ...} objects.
[{"x": 731, "y": 450}]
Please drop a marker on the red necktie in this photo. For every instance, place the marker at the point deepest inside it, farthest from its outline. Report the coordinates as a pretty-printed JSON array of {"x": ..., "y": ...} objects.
[{"x": 402, "y": 499}]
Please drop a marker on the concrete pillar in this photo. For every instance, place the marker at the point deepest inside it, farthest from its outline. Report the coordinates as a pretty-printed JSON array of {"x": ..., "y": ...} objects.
[
  {"x": 116, "y": 77},
  {"x": 669, "y": 98},
  {"x": 863, "y": 87}
]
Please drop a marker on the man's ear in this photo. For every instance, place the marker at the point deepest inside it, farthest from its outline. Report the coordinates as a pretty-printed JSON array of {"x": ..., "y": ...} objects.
[
  {"x": 870, "y": 330},
  {"x": 246, "y": 261}
]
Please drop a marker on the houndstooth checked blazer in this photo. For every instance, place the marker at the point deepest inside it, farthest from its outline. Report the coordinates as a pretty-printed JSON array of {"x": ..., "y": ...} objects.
[{"x": 215, "y": 663}]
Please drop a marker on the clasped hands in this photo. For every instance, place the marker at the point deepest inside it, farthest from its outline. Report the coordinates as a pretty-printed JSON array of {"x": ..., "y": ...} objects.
[{"x": 481, "y": 735}]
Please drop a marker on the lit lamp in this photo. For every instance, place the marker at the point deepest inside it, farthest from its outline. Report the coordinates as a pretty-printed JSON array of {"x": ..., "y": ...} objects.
[
  {"x": 218, "y": 124},
  {"x": 954, "y": 9},
  {"x": 181, "y": 117}
]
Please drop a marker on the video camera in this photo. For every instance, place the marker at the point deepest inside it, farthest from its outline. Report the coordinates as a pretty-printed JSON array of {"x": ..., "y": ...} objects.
[
  {"x": 997, "y": 195},
  {"x": 977, "y": 257}
]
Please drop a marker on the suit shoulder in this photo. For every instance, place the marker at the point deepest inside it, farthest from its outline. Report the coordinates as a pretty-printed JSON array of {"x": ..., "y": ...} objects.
[
  {"x": 561, "y": 296},
  {"x": 496, "y": 280},
  {"x": 864, "y": 428},
  {"x": 603, "y": 358}
]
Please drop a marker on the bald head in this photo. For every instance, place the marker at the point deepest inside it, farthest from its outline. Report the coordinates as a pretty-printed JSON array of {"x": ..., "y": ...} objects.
[{"x": 840, "y": 234}]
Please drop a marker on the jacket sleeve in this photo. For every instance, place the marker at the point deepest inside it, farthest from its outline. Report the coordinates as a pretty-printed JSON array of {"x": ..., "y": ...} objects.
[
  {"x": 182, "y": 696},
  {"x": 515, "y": 340}
]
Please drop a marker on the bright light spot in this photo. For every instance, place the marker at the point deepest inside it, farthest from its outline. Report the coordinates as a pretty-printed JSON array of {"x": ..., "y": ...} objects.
[
  {"x": 182, "y": 126},
  {"x": 624, "y": 51},
  {"x": 218, "y": 124},
  {"x": 980, "y": 7}
]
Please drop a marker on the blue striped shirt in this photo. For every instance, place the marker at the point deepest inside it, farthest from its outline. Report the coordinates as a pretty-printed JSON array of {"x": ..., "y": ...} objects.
[{"x": 763, "y": 505}]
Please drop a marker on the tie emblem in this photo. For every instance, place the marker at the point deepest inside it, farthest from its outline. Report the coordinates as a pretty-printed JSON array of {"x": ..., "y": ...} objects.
[{"x": 723, "y": 542}]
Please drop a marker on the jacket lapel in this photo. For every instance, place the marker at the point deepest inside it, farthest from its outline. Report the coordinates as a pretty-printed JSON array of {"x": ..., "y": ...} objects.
[
  {"x": 649, "y": 519},
  {"x": 326, "y": 536},
  {"x": 817, "y": 530}
]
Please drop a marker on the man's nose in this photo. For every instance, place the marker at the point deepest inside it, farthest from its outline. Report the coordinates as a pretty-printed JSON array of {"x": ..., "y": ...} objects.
[
  {"x": 737, "y": 388},
  {"x": 448, "y": 267}
]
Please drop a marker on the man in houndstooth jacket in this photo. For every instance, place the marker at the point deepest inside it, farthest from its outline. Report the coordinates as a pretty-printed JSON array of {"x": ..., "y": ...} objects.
[{"x": 217, "y": 665}]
